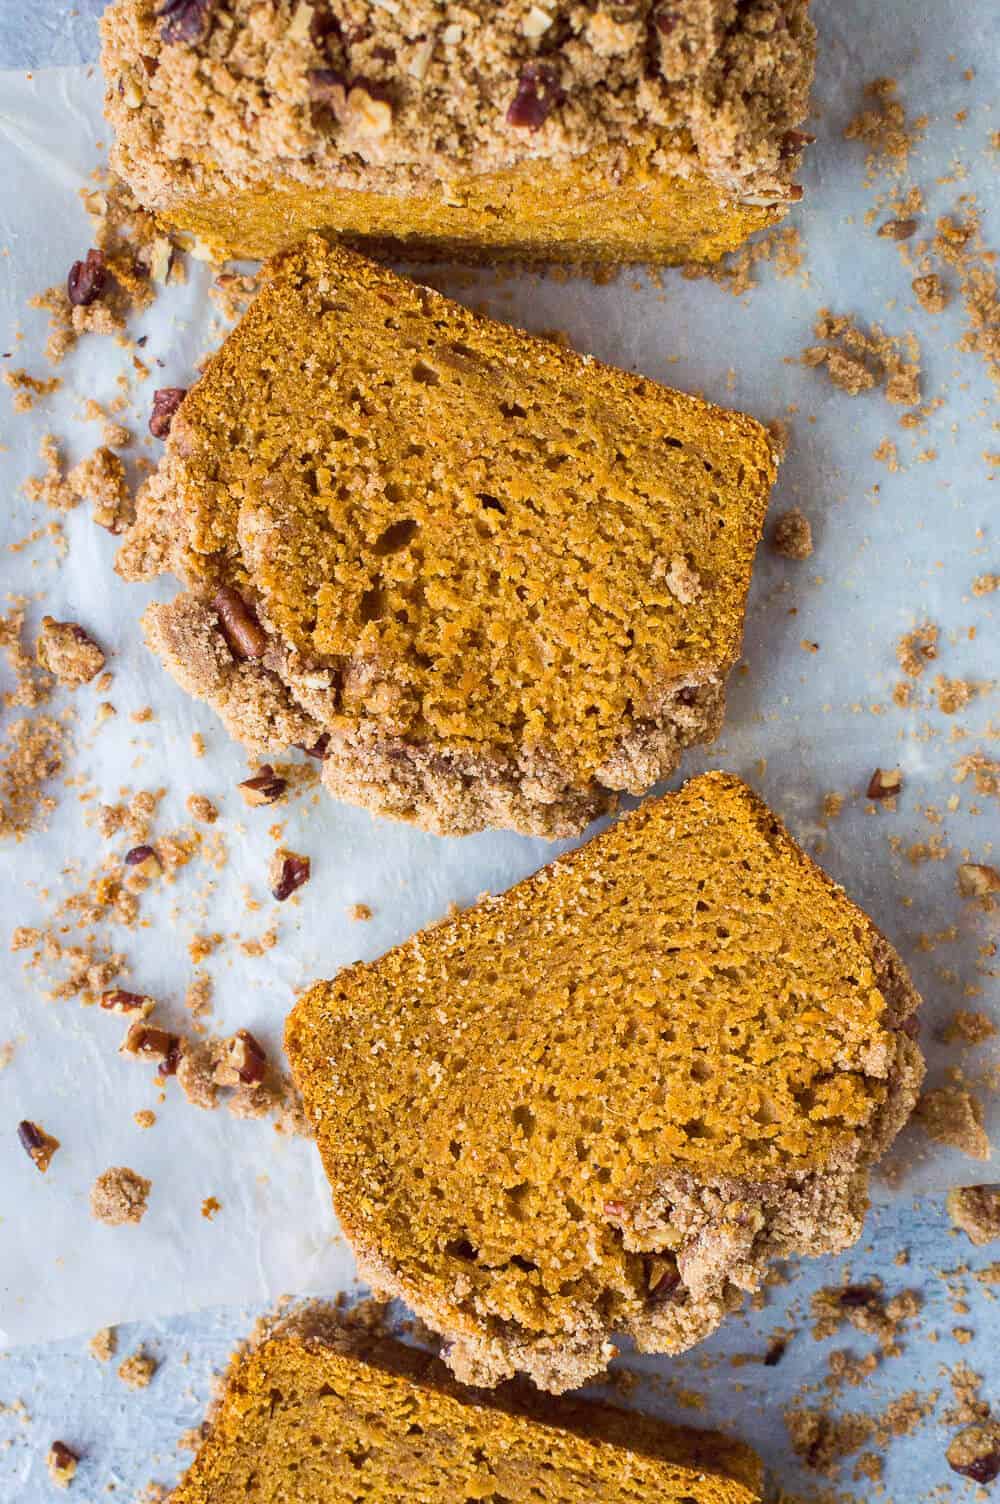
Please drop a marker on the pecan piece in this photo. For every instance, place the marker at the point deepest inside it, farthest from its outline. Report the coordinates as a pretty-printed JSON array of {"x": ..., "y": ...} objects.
[
  {"x": 61, "y": 1463},
  {"x": 37, "y": 1144},
  {"x": 87, "y": 279},
  {"x": 538, "y": 94},
  {"x": 662, "y": 1277},
  {"x": 128, "y": 1004},
  {"x": 885, "y": 783},
  {"x": 975, "y": 1452},
  {"x": 976, "y": 880},
  {"x": 264, "y": 788},
  {"x": 240, "y": 627},
  {"x": 246, "y": 1056},
  {"x": 149, "y": 1043},
  {"x": 184, "y": 20},
  {"x": 318, "y": 748},
  {"x": 288, "y": 872},
  {"x": 327, "y": 87},
  {"x": 143, "y": 861},
  {"x": 898, "y": 229},
  {"x": 166, "y": 401}
]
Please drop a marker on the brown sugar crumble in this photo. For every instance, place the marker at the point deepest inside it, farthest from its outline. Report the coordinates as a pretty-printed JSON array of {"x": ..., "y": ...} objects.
[
  {"x": 884, "y": 129},
  {"x": 915, "y": 649},
  {"x": 104, "y": 1344},
  {"x": 860, "y": 361},
  {"x": 975, "y": 1210},
  {"x": 792, "y": 535},
  {"x": 119, "y": 1196},
  {"x": 101, "y": 480},
  {"x": 952, "y": 1116},
  {"x": 137, "y": 1369},
  {"x": 968, "y": 1027},
  {"x": 68, "y": 652},
  {"x": 210, "y": 1207},
  {"x": 930, "y": 292},
  {"x": 27, "y": 389},
  {"x": 359, "y": 911}
]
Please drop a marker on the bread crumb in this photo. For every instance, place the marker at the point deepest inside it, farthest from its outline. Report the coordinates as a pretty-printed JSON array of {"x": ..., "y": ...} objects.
[
  {"x": 137, "y": 1369},
  {"x": 359, "y": 911},
  {"x": 954, "y": 1117},
  {"x": 952, "y": 694},
  {"x": 144, "y": 1118},
  {"x": 915, "y": 648},
  {"x": 975, "y": 1210},
  {"x": 792, "y": 535},
  {"x": 119, "y": 1196},
  {"x": 104, "y": 1344},
  {"x": 202, "y": 808},
  {"x": 930, "y": 293}
]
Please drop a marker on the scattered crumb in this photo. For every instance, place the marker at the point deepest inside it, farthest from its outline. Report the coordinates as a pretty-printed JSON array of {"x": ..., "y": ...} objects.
[
  {"x": 954, "y": 1117},
  {"x": 119, "y": 1196},
  {"x": 201, "y": 808},
  {"x": 68, "y": 652},
  {"x": 27, "y": 389},
  {"x": 137, "y": 1369},
  {"x": 952, "y": 694},
  {"x": 209, "y": 1207},
  {"x": 859, "y": 361},
  {"x": 100, "y": 478},
  {"x": 968, "y": 1027},
  {"x": 792, "y": 535},
  {"x": 914, "y": 649},
  {"x": 144, "y": 1118},
  {"x": 104, "y": 1344},
  {"x": 359, "y": 911},
  {"x": 930, "y": 293}
]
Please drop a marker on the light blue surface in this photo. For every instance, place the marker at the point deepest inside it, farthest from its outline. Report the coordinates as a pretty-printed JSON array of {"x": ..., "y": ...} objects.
[{"x": 129, "y": 1438}]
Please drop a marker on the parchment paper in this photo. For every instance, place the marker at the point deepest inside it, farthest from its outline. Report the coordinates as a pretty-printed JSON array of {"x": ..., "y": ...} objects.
[{"x": 891, "y": 550}]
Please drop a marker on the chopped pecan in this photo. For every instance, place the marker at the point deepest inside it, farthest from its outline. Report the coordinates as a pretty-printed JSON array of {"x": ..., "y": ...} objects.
[
  {"x": 37, "y": 1144},
  {"x": 662, "y": 1277},
  {"x": 898, "y": 229},
  {"x": 143, "y": 861},
  {"x": 318, "y": 749},
  {"x": 246, "y": 1056},
  {"x": 885, "y": 783},
  {"x": 61, "y": 1463},
  {"x": 128, "y": 1004},
  {"x": 87, "y": 279},
  {"x": 775, "y": 1352},
  {"x": 240, "y": 627},
  {"x": 288, "y": 872},
  {"x": 264, "y": 788},
  {"x": 538, "y": 94},
  {"x": 792, "y": 142},
  {"x": 184, "y": 20},
  {"x": 166, "y": 401},
  {"x": 149, "y": 1043}
]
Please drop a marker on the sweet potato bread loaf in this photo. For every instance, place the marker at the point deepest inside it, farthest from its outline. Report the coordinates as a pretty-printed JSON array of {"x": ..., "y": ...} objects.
[
  {"x": 604, "y": 1100},
  {"x": 491, "y": 581},
  {"x": 559, "y": 130},
  {"x": 319, "y": 1416}
]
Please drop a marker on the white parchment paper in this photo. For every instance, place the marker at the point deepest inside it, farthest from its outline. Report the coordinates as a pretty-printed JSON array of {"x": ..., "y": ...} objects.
[{"x": 891, "y": 550}]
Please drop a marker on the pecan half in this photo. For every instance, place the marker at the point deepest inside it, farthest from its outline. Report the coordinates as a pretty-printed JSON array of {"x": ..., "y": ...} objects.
[
  {"x": 538, "y": 94},
  {"x": 885, "y": 783},
  {"x": 37, "y": 1144},
  {"x": 264, "y": 788},
  {"x": 288, "y": 872},
  {"x": 184, "y": 20},
  {"x": 240, "y": 627},
  {"x": 166, "y": 401},
  {"x": 87, "y": 279}
]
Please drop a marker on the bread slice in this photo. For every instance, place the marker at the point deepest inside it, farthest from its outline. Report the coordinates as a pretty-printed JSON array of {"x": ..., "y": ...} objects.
[
  {"x": 496, "y": 581},
  {"x": 604, "y": 1100},
  {"x": 319, "y": 1415},
  {"x": 462, "y": 128}
]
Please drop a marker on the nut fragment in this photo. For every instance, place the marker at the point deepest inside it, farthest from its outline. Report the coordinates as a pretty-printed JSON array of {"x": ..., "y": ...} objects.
[
  {"x": 538, "y": 94},
  {"x": 318, "y": 748},
  {"x": 366, "y": 113},
  {"x": 166, "y": 401},
  {"x": 885, "y": 783},
  {"x": 898, "y": 229},
  {"x": 61, "y": 1463},
  {"x": 975, "y": 1452},
  {"x": 143, "y": 861},
  {"x": 183, "y": 20},
  {"x": 976, "y": 880},
  {"x": 536, "y": 23},
  {"x": 246, "y": 1057},
  {"x": 87, "y": 279},
  {"x": 264, "y": 788},
  {"x": 240, "y": 627},
  {"x": 149, "y": 1043},
  {"x": 37, "y": 1144},
  {"x": 662, "y": 1277},
  {"x": 128, "y": 1004},
  {"x": 288, "y": 872}
]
